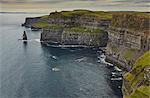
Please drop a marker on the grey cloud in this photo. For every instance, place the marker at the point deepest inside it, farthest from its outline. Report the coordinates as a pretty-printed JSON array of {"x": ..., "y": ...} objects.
[
  {"x": 97, "y": 4},
  {"x": 57, "y": 1}
]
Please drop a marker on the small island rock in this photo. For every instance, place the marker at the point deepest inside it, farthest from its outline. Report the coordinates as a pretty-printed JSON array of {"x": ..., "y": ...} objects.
[{"x": 24, "y": 36}]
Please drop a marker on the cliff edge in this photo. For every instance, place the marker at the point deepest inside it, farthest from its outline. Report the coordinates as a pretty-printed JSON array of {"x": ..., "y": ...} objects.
[{"x": 77, "y": 27}]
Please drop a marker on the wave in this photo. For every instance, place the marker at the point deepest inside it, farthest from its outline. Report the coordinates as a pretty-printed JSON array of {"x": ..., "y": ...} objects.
[{"x": 30, "y": 40}]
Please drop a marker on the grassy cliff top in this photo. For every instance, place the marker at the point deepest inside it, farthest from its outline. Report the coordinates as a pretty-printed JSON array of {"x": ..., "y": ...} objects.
[
  {"x": 46, "y": 25},
  {"x": 141, "y": 92},
  {"x": 138, "y": 77},
  {"x": 54, "y": 26},
  {"x": 98, "y": 14},
  {"x": 82, "y": 30},
  {"x": 40, "y": 24},
  {"x": 143, "y": 61},
  {"x": 128, "y": 20}
]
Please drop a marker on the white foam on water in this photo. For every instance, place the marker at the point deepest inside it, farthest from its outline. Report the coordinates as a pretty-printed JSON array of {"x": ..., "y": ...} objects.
[
  {"x": 54, "y": 57},
  {"x": 116, "y": 68},
  {"x": 30, "y": 40},
  {"x": 55, "y": 69},
  {"x": 81, "y": 59},
  {"x": 120, "y": 78},
  {"x": 37, "y": 40}
]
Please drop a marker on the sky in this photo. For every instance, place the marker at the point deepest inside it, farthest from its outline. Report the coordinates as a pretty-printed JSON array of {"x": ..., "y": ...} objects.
[{"x": 59, "y": 5}]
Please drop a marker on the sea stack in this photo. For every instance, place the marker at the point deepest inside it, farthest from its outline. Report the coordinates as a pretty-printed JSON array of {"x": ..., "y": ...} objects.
[{"x": 24, "y": 36}]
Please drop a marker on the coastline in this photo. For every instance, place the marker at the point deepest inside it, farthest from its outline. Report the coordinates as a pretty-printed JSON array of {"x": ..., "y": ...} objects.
[
  {"x": 119, "y": 63},
  {"x": 126, "y": 42}
]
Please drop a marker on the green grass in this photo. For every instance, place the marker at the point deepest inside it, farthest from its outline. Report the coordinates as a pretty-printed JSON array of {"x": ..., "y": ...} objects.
[
  {"x": 82, "y": 30},
  {"x": 129, "y": 77},
  {"x": 143, "y": 61},
  {"x": 45, "y": 17},
  {"x": 136, "y": 77},
  {"x": 141, "y": 92},
  {"x": 46, "y": 25},
  {"x": 70, "y": 29},
  {"x": 145, "y": 90},
  {"x": 54, "y": 26},
  {"x": 40, "y": 24},
  {"x": 99, "y": 14}
]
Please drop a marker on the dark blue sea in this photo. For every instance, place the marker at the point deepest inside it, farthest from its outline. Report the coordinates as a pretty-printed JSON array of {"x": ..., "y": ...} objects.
[{"x": 26, "y": 68}]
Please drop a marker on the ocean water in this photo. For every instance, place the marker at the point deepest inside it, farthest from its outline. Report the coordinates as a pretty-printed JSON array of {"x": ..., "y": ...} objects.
[{"x": 26, "y": 69}]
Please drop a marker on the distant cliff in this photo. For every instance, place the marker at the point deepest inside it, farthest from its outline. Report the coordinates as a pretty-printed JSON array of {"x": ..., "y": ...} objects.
[
  {"x": 86, "y": 18},
  {"x": 30, "y": 20},
  {"x": 80, "y": 27}
]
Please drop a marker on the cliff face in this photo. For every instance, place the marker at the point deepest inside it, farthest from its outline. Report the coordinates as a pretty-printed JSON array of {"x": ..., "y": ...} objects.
[
  {"x": 91, "y": 39},
  {"x": 52, "y": 35},
  {"x": 133, "y": 21},
  {"x": 63, "y": 36},
  {"x": 29, "y": 21},
  {"x": 129, "y": 36},
  {"x": 131, "y": 30}
]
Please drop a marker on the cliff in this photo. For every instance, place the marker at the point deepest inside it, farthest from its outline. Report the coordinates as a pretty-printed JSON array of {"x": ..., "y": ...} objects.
[
  {"x": 86, "y": 18},
  {"x": 75, "y": 36},
  {"x": 129, "y": 42},
  {"x": 129, "y": 35},
  {"x": 52, "y": 33},
  {"x": 134, "y": 21},
  {"x": 77, "y": 27},
  {"x": 30, "y": 20},
  {"x": 136, "y": 82},
  {"x": 126, "y": 34},
  {"x": 84, "y": 36}
]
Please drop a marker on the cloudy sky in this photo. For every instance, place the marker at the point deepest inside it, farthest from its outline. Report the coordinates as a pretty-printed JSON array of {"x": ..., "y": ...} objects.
[{"x": 52, "y": 5}]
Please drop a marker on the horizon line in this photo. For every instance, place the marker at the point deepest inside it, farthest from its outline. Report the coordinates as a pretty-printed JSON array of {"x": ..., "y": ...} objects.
[{"x": 67, "y": 10}]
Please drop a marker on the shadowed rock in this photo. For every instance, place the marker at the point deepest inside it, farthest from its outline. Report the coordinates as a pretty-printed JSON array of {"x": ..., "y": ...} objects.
[{"x": 24, "y": 36}]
